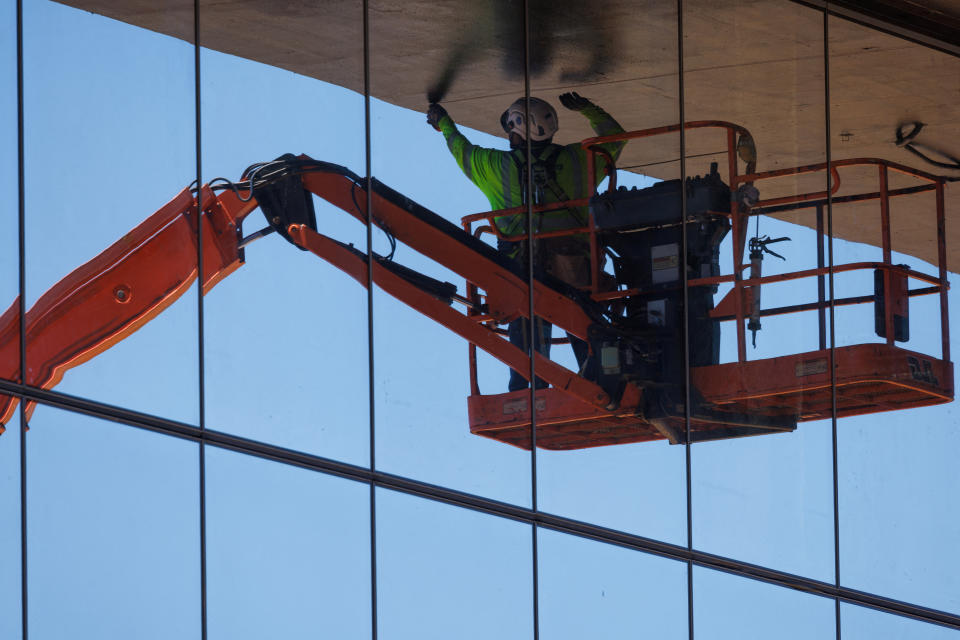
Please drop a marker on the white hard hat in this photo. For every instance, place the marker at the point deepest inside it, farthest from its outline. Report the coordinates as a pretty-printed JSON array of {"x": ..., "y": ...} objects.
[{"x": 543, "y": 119}]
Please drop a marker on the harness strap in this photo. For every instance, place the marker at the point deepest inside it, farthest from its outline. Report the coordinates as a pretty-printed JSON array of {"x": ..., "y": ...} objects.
[{"x": 549, "y": 166}]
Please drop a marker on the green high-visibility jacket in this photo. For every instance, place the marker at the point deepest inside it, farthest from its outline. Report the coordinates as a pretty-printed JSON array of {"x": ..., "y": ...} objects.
[{"x": 498, "y": 173}]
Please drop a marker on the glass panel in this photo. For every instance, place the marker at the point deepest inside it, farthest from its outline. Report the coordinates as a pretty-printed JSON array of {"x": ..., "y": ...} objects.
[
  {"x": 9, "y": 210},
  {"x": 110, "y": 140},
  {"x": 10, "y": 560},
  {"x": 286, "y": 548},
  {"x": 593, "y": 590},
  {"x": 727, "y": 606},
  {"x": 114, "y": 546},
  {"x": 769, "y": 499},
  {"x": 609, "y": 70},
  {"x": 896, "y": 468},
  {"x": 445, "y": 571},
  {"x": 860, "y": 623},
  {"x": 10, "y": 568},
  {"x": 423, "y": 378},
  {"x": 286, "y": 335},
  {"x": 10, "y": 588}
]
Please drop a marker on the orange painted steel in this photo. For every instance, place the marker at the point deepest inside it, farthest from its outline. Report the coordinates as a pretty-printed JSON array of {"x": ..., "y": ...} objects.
[
  {"x": 507, "y": 294},
  {"x": 538, "y": 208},
  {"x": 107, "y": 299},
  {"x": 870, "y": 378},
  {"x": 563, "y": 422},
  {"x": 355, "y": 264},
  {"x": 942, "y": 264}
]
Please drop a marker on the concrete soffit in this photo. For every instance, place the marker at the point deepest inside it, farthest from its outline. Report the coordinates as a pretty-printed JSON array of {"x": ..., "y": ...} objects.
[{"x": 757, "y": 63}]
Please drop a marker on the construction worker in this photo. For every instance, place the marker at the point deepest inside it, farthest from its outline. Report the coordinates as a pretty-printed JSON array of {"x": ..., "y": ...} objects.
[{"x": 559, "y": 174}]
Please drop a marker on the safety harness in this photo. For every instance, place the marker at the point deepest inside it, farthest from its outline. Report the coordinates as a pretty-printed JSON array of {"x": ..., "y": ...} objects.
[{"x": 543, "y": 175}]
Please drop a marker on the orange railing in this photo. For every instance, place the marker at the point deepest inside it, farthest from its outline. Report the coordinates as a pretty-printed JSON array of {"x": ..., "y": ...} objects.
[{"x": 739, "y": 216}]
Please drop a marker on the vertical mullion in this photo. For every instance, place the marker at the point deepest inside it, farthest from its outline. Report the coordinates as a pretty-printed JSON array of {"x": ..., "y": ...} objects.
[
  {"x": 685, "y": 320},
  {"x": 21, "y": 284},
  {"x": 201, "y": 390},
  {"x": 370, "y": 333},
  {"x": 821, "y": 282},
  {"x": 531, "y": 248},
  {"x": 833, "y": 344}
]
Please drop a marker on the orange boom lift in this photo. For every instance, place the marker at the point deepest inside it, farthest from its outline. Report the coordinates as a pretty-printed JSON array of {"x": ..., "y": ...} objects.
[{"x": 664, "y": 248}]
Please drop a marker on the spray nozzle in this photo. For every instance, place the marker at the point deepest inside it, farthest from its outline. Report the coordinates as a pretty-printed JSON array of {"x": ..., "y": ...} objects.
[{"x": 759, "y": 246}]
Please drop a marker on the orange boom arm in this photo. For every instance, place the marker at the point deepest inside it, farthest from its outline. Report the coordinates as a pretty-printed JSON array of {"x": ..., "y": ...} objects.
[{"x": 120, "y": 290}]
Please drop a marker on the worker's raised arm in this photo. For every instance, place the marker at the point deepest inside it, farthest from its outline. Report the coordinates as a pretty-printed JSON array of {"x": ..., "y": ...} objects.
[
  {"x": 600, "y": 121},
  {"x": 485, "y": 167}
]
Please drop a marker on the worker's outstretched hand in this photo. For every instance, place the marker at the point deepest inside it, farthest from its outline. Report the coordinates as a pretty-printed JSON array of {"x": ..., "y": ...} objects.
[
  {"x": 574, "y": 101},
  {"x": 434, "y": 115}
]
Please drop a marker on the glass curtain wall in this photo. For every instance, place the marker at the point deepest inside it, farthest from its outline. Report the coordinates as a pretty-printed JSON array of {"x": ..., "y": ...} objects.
[
  {"x": 896, "y": 469},
  {"x": 9, "y": 214},
  {"x": 441, "y": 567},
  {"x": 860, "y": 623},
  {"x": 591, "y": 589},
  {"x": 685, "y": 427},
  {"x": 285, "y": 335},
  {"x": 112, "y": 516},
  {"x": 109, "y": 153},
  {"x": 604, "y": 455},
  {"x": 109, "y": 137},
  {"x": 287, "y": 550},
  {"x": 731, "y": 606},
  {"x": 755, "y": 146},
  {"x": 10, "y": 608},
  {"x": 424, "y": 393}
]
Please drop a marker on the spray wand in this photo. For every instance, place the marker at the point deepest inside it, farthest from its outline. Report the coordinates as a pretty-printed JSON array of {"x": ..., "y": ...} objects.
[{"x": 759, "y": 246}]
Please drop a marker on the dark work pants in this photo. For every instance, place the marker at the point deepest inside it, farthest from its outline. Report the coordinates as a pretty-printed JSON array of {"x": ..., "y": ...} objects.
[{"x": 519, "y": 331}]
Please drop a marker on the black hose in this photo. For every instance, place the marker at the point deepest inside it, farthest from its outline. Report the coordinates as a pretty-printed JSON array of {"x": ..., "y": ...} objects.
[{"x": 906, "y": 140}]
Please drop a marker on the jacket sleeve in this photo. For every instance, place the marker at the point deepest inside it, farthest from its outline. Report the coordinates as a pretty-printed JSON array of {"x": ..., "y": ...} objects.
[
  {"x": 603, "y": 124},
  {"x": 484, "y": 167}
]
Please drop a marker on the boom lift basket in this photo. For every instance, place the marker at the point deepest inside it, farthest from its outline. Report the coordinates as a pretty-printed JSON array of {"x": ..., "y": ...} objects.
[{"x": 641, "y": 230}]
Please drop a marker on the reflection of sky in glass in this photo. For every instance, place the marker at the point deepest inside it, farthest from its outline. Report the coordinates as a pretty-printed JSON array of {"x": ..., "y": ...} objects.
[
  {"x": 8, "y": 156},
  {"x": 10, "y": 600},
  {"x": 302, "y": 371},
  {"x": 860, "y": 623},
  {"x": 420, "y": 368},
  {"x": 727, "y": 606},
  {"x": 112, "y": 530},
  {"x": 108, "y": 139},
  {"x": 763, "y": 500},
  {"x": 590, "y": 590},
  {"x": 428, "y": 586},
  {"x": 285, "y": 544}
]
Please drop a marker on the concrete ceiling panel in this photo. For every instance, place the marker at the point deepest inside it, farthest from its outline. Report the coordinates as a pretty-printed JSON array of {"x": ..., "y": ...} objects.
[{"x": 758, "y": 63}]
